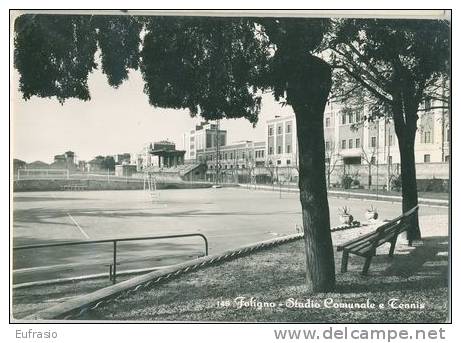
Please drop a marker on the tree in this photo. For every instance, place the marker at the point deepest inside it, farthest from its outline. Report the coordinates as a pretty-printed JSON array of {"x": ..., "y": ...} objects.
[
  {"x": 398, "y": 63},
  {"x": 108, "y": 163},
  {"x": 215, "y": 67},
  {"x": 370, "y": 160},
  {"x": 331, "y": 158}
]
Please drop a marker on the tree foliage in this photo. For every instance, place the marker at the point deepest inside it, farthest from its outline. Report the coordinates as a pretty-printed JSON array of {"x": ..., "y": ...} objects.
[
  {"x": 54, "y": 55},
  {"x": 215, "y": 67},
  {"x": 379, "y": 58}
]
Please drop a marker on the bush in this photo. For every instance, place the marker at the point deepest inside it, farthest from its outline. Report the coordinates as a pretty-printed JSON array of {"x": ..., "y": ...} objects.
[
  {"x": 396, "y": 183},
  {"x": 432, "y": 185},
  {"x": 346, "y": 182}
]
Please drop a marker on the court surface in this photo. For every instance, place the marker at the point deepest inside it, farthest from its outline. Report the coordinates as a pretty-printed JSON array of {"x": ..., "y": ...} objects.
[{"x": 228, "y": 217}]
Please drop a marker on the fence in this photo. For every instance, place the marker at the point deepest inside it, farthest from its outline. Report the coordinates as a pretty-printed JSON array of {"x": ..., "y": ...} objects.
[{"x": 113, "y": 265}]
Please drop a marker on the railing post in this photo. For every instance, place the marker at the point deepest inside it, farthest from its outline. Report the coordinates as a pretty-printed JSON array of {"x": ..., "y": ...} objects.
[
  {"x": 114, "y": 271},
  {"x": 206, "y": 245}
]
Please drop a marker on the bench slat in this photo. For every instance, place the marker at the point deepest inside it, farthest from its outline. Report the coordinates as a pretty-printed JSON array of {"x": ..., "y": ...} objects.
[
  {"x": 372, "y": 241},
  {"x": 366, "y": 245}
]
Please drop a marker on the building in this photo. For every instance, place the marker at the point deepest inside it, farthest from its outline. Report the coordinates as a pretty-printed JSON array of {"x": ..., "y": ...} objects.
[
  {"x": 18, "y": 164},
  {"x": 97, "y": 165},
  {"x": 164, "y": 155},
  {"x": 282, "y": 143},
  {"x": 202, "y": 138},
  {"x": 124, "y": 158},
  {"x": 126, "y": 170},
  {"x": 353, "y": 146},
  {"x": 237, "y": 162},
  {"x": 352, "y": 142},
  {"x": 64, "y": 161},
  {"x": 37, "y": 165}
]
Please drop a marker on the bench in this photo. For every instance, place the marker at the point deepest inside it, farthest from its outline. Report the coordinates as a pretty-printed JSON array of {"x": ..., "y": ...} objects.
[
  {"x": 73, "y": 187},
  {"x": 366, "y": 245}
]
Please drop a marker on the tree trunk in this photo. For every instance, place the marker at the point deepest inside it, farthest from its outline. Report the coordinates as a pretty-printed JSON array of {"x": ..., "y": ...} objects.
[
  {"x": 409, "y": 187},
  {"x": 308, "y": 95},
  {"x": 405, "y": 129},
  {"x": 369, "y": 176}
]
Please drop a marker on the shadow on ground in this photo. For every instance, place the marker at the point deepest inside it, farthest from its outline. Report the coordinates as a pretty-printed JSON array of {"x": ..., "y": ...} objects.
[{"x": 415, "y": 277}]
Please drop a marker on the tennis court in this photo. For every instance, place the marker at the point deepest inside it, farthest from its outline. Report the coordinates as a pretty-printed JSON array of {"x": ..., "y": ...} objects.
[{"x": 228, "y": 217}]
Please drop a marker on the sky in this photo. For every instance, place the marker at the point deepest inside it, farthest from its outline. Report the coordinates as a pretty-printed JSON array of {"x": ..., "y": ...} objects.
[{"x": 113, "y": 121}]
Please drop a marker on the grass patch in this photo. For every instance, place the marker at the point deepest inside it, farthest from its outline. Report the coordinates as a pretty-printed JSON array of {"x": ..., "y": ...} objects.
[
  {"x": 417, "y": 277},
  {"x": 29, "y": 300}
]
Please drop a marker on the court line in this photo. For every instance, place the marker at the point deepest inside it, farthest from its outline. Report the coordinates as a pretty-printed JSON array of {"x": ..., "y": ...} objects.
[
  {"x": 74, "y": 221},
  {"x": 78, "y": 226}
]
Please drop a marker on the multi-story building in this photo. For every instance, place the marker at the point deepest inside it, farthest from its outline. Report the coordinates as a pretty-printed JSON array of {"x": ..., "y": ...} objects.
[
  {"x": 203, "y": 137},
  {"x": 352, "y": 141},
  {"x": 282, "y": 143},
  {"x": 351, "y": 144},
  {"x": 237, "y": 161}
]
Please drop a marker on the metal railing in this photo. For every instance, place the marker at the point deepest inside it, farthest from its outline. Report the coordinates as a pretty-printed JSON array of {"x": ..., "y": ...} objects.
[{"x": 113, "y": 266}]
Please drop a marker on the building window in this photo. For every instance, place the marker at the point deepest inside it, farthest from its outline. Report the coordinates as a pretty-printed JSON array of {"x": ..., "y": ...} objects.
[
  {"x": 288, "y": 128},
  {"x": 288, "y": 149},
  {"x": 343, "y": 144},
  {"x": 231, "y": 166},
  {"x": 447, "y": 158},
  {"x": 279, "y": 130},
  {"x": 389, "y": 160},
  {"x": 351, "y": 143},
  {"x": 279, "y": 149},
  {"x": 427, "y": 137},
  {"x": 327, "y": 145},
  {"x": 271, "y": 131},
  {"x": 357, "y": 142},
  {"x": 427, "y": 158},
  {"x": 271, "y": 150},
  {"x": 358, "y": 117},
  {"x": 351, "y": 118},
  {"x": 243, "y": 166},
  {"x": 343, "y": 119},
  {"x": 279, "y": 162},
  {"x": 391, "y": 139},
  {"x": 327, "y": 122},
  {"x": 373, "y": 142},
  {"x": 288, "y": 162},
  {"x": 262, "y": 153},
  {"x": 373, "y": 160}
]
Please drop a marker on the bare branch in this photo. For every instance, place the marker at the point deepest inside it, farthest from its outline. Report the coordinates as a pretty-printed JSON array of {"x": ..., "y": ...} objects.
[{"x": 370, "y": 88}]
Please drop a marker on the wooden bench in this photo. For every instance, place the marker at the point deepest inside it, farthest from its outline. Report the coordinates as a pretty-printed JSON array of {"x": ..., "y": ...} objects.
[
  {"x": 366, "y": 245},
  {"x": 73, "y": 187}
]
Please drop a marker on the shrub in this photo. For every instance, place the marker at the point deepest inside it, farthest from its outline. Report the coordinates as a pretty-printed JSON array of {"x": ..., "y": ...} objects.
[
  {"x": 396, "y": 183},
  {"x": 346, "y": 182}
]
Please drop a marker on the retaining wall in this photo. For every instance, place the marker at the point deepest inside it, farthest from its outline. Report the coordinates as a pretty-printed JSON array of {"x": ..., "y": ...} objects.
[{"x": 96, "y": 185}]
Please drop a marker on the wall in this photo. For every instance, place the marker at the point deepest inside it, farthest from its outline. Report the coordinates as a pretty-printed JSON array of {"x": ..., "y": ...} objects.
[{"x": 57, "y": 185}]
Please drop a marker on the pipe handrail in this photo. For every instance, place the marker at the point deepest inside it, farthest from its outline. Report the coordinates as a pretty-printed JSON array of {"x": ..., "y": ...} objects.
[{"x": 114, "y": 242}]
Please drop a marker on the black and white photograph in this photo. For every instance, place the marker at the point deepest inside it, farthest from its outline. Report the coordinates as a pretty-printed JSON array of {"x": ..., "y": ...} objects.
[{"x": 230, "y": 167}]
